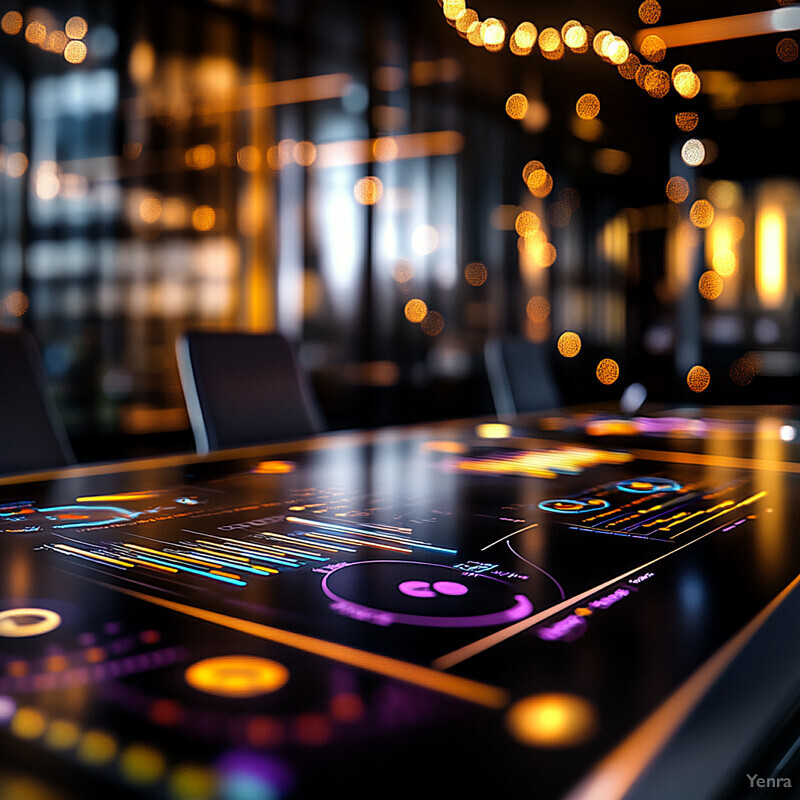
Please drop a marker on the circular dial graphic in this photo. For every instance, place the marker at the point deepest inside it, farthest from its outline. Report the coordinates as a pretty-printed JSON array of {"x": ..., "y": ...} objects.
[
  {"x": 416, "y": 593},
  {"x": 570, "y": 505},
  {"x": 648, "y": 485}
]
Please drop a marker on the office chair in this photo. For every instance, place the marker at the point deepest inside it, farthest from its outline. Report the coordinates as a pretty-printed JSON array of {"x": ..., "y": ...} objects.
[
  {"x": 31, "y": 435},
  {"x": 243, "y": 389},
  {"x": 520, "y": 377}
]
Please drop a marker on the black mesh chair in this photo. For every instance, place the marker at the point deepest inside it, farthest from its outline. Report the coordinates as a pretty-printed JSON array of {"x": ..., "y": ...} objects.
[
  {"x": 31, "y": 435},
  {"x": 243, "y": 389},
  {"x": 520, "y": 377}
]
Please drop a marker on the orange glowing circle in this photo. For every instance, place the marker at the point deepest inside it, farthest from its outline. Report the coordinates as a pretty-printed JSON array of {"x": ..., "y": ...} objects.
[
  {"x": 249, "y": 158},
  {"x": 368, "y": 191},
  {"x": 650, "y": 12},
  {"x": 525, "y": 35},
  {"x": 629, "y": 67},
  {"x": 452, "y": 8},
  {"x": 476, "y": 274},
  {"x": 687, "y": 84},
  {"x": 385, "y": 148},
  {"x": 474, "y": 34},
  {"x": 537, "y": 309},
  {"x": 150, "y": 209},
  {"x": 75, "y": 52},
  {"x": 526, "y": 223},
  {"x": 698, "y": 378},
  {"x": 552, "y": 720},
  {"x": 693, "y": 152},
  {"x": 787, "y": 50},
  {"x": 701, "y": 214},
  {"x": 656, "y": 84},
  {"x": 76, "y": 27},
  {"x": 576, "y": 38},
  {"x": 607, "y": 371},
  {"x": 724, "y": 262},
  {"x": 599, "y": 41},
  {"x": 493, "y": 33},
  {"x": 16, "y": 303},
  {"x": 35, "y": 33},
  {"x": 517, "y": 106},
  {"x": 687, "y": 120},
  {"x": 642, "y": 73},
  {"x": 416, "y": 310},
  {"x": 433, "y": 324},
  {"x": 11, "y": 23},
  {"x": 540, "y": 184},
  {"x": 305, "y": 154},
  {"x": 203, "y": 218},
  {"x": 545, "y": 256},
  {"x": 677, "y": 189},
  {"x": 465, "y": 19},
  {"x": 653, "y": 48},
  {"x": 744, "y": 369},
  {"x": 549, "y": 40},
  {"x": 569, "y": 344},
  {"x": 616, "y": 50},
  {"x": 530, "y": 167},
  {"x": 588, "y": 106},
  {"x": 554, "y": 55},
  {"x": 710, "y": 285},
  {"x": 237, "y": 676},
  {"x": 202, "y": 156},
  {"x": 56, "y": 42}
]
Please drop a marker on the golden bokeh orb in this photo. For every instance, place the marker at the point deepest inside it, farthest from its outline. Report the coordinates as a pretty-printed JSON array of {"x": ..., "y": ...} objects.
[
  {"x": 237, "y": 676},
  {"x": 710, "y": 285},
  {"x": 629, "y": 67},
  {"x": 549, "y": 40},
  {"x": 687, "y": 120},
  {"x": 787, "y": 50},
  {"x": 698, "y": 378},
  {"x": 650, "y": 12},
  {"x": 75, "y": 52},
  {"x": 493, "y": 33},
  {"x": 552, "y": 720},
  {"x": 701, "y": 214},
  {"x": 642, "y": 73},
  {"x": 416, "y": 310},
  {"x": 588, "y": 106},
  {"x": 529, "y": 168},
  {"x": 569, "y": 344},
  {"x": 677, "y": 189},
  {"x": 526, "y": 223},
  {"x": 693, "y": 152},
  {"x": 204, "y": 218},
  {"x": 724, "y": 262},
  {"x": 576, "y": 38},
  {"x": 517, "y": 106},
  {"x": 656, "y": 83},
  {"x": 76, "y": 27},
  {"x": 687, "y": 84},
  {"x": 368, "y": 191},
  {"x": 607, "y": 371},
  {"x": 12, "y": 23},
  {"x": 305, "y": 154},
  {"x": 537, "y": 309},
  {"x": 653, "y": 48},
  {"x": 525, "y": 35},
  {"x": 476, "y": 274}
]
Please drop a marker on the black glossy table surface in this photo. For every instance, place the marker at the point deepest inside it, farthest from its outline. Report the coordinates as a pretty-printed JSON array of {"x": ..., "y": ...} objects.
[{"x": 574, "y": 605}]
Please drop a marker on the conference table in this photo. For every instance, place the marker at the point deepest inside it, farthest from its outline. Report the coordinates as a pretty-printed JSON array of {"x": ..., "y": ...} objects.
[{"x": 575, "y": 604}]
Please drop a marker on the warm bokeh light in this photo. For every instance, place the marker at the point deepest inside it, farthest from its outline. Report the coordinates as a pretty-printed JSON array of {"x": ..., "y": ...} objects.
[
  {"x": 687, "y": 84},
  {"x": 657, "y": 84},
  {"x": 549, "y": 40},
  {"x": 599, "y": 41},
  {"x": 687, "y": 120},
  {"x": 710, "y": 285},
  {"x": 141, "y": 764},
  {"x": 530, "y": 167},
  {"x": 787, "y": 50},
  {"x": 653, "y": 48},
  {"x": 588, "y": 106},
  {"x": 693, "y": 152},
  {"x": 249, "y": 158},
  {"x": 698, "y": 378},
  {"x": 56, "y": 42},
  {"x": 464, "y": 21},
  {"x": 517, "y": 106},
  {"x": 701, "y": 214},
  {"x": 650, "y": 12},
  {"x": 35, "y": 33},
  {"x": 424, "y": 239},
  {"x": 629, "y": 67},
  {"x": 526, "y": 223},
  {"x": 590, "y": 130},
  {"x": 537, "y": 309},
  {"x": 771, "y": 256},
  {"x": 203, "y": 218},
  {"x": 202, "y": 156},
  {"x": 16, "y": 165},
  {"x": 384, "y": 148},
  {"x": 493, "y": 430},
  {"x": 368, "y": 191},
  {"x": 552, "y": 720},
  {"x": 403, "y": 271},
  {"x": 725, "y": 194},
  {"x": 474, "y": 34},
  {"x": 150, "y": 209},
  {"x": 476, "y": 274},
  {"x": 75, "y": 52},
  {"x": 416, "y": 310},
  {"x": 15, "y": 303},
  {"x": 433, "y": 324},
  {"x": 724, "y": 262},
  {"x": 28, "y": 723},
  {"x": 525, "y": 36},
  {"x": 493, "y": 33},
  {"x": 607, "y": 371},
  {"x": 11, "y": 23},
  {"x": 540, "y": 182},
  {"x": 76, "y": 27},
  {"x": 642, "y": 73},
  {"x": 744, "y": 369},
  {"x": 237, "y": 676},
  {"x": 305, "y": 153},
  {"x": 569, "y": 344},
  {"x": 611, "y": 161},
  {"x": 96, "y": 748},
  {"x": 677, "y": 189},
  {"x": 576, "y": 38},
  {"x": 617, "y": 51}
]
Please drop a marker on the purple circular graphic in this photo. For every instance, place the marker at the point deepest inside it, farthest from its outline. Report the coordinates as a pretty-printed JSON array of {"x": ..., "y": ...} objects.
[{"x": 474, "y": 601}]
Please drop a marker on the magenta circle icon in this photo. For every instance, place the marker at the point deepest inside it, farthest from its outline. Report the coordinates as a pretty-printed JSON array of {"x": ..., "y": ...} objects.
[{"x": 387, "y": 592}]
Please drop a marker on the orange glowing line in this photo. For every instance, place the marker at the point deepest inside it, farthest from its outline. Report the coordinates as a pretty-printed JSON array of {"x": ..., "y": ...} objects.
[
  {"x": 88, "y": 554},
  {"x": 297, "y": 543},
  {"x": 217, "y": 553},
  {"x": 425, "y": 677},
  {"x": 225, "y": 574},
  {"x": 343, "y": 540},
  {"x": 154, "y": 566},
  {"x": 409, "y": 145},
  {"x": 745, "y": 502},
  {"x": 721, "y": 28},
  {"x": 173, "y": 556},
  {"x": 728, "y": 462},
  {"x": 124, "y": 496}
]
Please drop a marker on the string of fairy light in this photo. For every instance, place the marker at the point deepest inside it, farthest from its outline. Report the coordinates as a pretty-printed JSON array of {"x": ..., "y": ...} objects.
[{"x": 492, "y": 34}]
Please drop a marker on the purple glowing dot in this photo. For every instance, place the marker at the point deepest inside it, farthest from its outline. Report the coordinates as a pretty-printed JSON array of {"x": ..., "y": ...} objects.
[
  {"x": 450, "y": 588},
  {"x": 416, "y": 589},
  {"x": 7, "y": 708}
]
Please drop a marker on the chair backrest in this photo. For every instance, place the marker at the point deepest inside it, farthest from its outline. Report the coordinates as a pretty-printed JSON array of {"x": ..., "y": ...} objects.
[
  {"x": 243, "y": 389},
  {"x": 520, "y": 377},
  {"x": 31, "y": 435}
]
